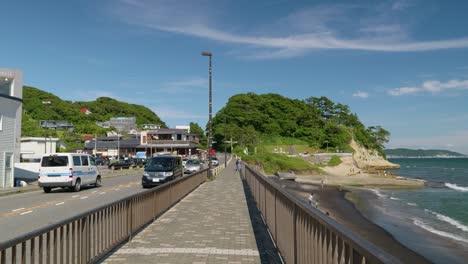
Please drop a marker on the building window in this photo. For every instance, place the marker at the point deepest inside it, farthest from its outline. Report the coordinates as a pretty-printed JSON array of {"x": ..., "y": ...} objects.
[{"x": 5, "y": 85}]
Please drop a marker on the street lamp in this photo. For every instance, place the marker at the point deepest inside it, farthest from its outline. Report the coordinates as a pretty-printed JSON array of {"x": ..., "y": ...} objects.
[{"x": 209, "y": 55}]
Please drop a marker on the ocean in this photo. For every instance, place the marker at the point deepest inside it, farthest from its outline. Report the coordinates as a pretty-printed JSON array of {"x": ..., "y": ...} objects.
[{"x": 432, "y": 221}]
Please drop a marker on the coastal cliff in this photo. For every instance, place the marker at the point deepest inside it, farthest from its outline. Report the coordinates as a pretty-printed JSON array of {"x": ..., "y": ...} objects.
[
  {"x": 362, "y": 161},
  {"x": 370, "y": 160}
]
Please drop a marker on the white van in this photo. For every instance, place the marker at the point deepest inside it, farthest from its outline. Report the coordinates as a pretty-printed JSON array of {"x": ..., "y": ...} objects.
[{"x": 68, "y": 170}]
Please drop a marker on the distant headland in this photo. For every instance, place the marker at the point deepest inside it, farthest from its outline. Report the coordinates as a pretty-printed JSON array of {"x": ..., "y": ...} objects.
[{"x": 422, "y": 153}]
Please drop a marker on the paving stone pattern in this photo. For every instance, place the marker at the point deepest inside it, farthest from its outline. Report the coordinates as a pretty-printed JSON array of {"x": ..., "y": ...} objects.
[{"x": 210, "y": 225}]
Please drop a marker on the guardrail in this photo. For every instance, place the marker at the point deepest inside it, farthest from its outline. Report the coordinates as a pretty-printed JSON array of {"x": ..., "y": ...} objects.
[
  {"x": 305, "y": 235},
  {"x": 89, "y": 236},
  {"x": 220, "y": 168}
]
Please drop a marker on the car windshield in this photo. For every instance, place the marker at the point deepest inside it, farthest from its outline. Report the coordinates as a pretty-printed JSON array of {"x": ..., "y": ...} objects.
[
  {"x": 193, "y": 162},
  {"x": 54, "y": 161},
  {"x": 159, "y": 163}
]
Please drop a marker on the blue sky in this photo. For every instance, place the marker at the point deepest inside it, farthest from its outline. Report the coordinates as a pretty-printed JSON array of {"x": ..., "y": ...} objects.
[{"x": 402, "y": 64}]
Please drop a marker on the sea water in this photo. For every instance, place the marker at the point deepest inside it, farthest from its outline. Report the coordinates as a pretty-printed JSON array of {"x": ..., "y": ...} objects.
[{"x": 432, "y": 221}]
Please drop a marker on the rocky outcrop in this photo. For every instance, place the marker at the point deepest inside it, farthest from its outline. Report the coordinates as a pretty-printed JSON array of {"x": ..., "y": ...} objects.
[{"x": 370, "y": 160}]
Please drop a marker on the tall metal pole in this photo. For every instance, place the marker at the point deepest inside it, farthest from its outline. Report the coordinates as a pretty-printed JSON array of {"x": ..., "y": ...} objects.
[
  {"x": 209, "y": 55},
  {"x": 225, "y": 147}
]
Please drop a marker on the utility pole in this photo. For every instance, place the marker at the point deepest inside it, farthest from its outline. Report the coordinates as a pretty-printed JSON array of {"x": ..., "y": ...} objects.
[
  {"x": 225, "y": 154},
  {"x": 118, "y": 146},
  {"x": 209, "y": 55},
  {"x": 95, "y": 145}
]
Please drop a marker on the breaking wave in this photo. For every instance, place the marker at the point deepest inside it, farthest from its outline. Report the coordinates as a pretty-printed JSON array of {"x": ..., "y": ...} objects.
[
  {"x": 426, "y": 227},
  {"x": 456, "y": 187}
]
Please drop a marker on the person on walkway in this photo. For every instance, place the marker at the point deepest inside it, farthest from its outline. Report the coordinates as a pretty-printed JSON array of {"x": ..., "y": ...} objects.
[
  {"x": 316, "y": 203},
  {"x": 311, "y": 199},
  {"x": 238, "y": 164}
]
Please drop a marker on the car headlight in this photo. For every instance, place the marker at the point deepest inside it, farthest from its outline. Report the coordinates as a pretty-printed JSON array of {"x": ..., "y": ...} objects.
[
  {"x": 146, "y": 174},
  {"x": 167, "y": 173}
]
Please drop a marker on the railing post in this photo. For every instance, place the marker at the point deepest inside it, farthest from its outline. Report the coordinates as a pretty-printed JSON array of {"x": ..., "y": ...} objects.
[
  {"x": 129, "y": 219},
  {"x": 295, "y": 234},
  {"x": 84, "y": 239}
]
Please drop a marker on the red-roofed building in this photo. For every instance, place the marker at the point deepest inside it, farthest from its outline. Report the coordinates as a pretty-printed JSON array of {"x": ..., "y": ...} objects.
[{"x": 85, "y": 111}]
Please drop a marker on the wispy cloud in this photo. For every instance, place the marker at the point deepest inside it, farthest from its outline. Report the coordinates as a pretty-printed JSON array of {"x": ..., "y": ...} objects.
[
  {"x": 360, "y": 94},
  {"x": 168, "y": 112},
  {"x": 431, "y": 87},
  {"x": 184, "y": 85},
  {"x": 306, "y": 32}
]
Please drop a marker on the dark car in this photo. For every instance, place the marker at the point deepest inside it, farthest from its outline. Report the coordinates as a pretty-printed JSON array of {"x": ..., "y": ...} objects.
[
  {"x": 121, "y": 164},
  {"x": 161, "y": 169},
  {"x": 100, "y": 161}
]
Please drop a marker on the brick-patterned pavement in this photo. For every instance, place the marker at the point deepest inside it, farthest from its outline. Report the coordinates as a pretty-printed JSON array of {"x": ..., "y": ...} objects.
[{"x": 210, "y": 225}]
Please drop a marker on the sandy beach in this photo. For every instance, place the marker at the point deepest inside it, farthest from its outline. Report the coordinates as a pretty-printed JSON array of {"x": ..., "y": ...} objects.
[{"x": 333, "y": 201}]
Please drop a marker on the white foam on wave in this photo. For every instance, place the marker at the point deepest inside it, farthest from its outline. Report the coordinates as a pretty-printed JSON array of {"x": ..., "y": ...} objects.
[
  {"x": 394, "y": 198},
  {"x": 426, "y": 227},
  {"x": 449, "y": 220},
  {"x": 456, "y": 187},
  {"x": 412, "y": 204},
  {"x": 376, "y": 192}
]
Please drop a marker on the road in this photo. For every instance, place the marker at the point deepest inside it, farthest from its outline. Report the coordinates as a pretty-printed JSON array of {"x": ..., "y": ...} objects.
[{"x": 23, "y": 213}]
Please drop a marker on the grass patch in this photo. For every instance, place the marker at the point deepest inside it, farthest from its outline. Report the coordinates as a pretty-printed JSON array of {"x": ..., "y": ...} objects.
[
  {"x": 334, "y": 161},
  {"x": 272, "y": 163}
]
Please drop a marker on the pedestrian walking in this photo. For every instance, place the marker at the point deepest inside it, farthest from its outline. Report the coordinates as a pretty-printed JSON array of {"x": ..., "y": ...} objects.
[
  {"x": 311, "y": 199},
  {"x": 238, "y": 165},
  {"x": 316, "y": 203}
]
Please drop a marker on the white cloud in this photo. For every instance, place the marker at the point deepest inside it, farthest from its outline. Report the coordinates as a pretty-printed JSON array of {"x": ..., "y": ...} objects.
[
  {"x": 360, "y": 94},
  {"x": 304, "y": 32},
  {"x": 430, "y": 86}
]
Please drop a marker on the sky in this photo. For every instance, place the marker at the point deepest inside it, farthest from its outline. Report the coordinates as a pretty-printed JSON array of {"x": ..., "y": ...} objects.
[{"x": 401, "y": 64}]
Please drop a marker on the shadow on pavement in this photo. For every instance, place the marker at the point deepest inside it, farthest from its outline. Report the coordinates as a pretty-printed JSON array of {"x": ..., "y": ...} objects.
[{"x": 266, "y": 248}]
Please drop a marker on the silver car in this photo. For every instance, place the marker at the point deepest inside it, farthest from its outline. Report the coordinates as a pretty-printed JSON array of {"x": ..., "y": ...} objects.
[{"x": 192, "y": 165}]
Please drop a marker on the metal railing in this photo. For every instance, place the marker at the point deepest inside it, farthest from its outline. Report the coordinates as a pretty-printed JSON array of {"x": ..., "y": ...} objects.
[
  {"x": 216, "y": 171},
  {"x": 305, "y": 235},
  {"x": 89, "y": 236}
]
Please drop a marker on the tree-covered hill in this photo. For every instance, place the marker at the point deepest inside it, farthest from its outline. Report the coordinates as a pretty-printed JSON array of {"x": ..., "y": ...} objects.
[
  {"x": 404, "y": 152},
  {"x": 318, "y": 121},
  {"x": 36, "y": 107}
]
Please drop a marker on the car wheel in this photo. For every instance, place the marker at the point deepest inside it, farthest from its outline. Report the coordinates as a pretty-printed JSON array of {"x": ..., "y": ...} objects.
[
  {"x": 47, "y": 189},
  {"x": 77, "y": 186},
  {"x": 98, "y": 181}
]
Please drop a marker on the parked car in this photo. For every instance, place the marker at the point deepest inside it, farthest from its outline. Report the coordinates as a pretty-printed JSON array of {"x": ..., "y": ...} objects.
[
  {"x": 192, "y": 165},
  {"x": 214, "y": 161},
  {"x": 68, "y": 170},
  {"x": 139, "y": 162},
  {"x": 121, "y": 164},
  {"x": 100, "y": 161},
  {"x": 161, "y": 169}
]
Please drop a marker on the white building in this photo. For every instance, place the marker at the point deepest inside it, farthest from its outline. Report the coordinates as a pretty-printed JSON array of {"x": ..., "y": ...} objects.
[
  {"x": 35, "y": 147},
  {"x": 11, "y": 105}
]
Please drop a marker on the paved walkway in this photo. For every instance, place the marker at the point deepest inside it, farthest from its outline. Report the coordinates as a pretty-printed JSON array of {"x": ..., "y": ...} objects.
[{"x": 211, "y": 225}]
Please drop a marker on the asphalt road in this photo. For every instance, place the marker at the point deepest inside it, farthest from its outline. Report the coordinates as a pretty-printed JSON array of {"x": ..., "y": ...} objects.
[{"x": 26, "y": 212}]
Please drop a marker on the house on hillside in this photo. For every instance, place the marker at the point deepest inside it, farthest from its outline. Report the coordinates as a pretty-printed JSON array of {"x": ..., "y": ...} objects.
[
  {"x": 56, "y": 125},
  {"x": 11, "y": 104},
  {"x": 85, "y": 111},
  {"x": 120, "y": 123}
]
